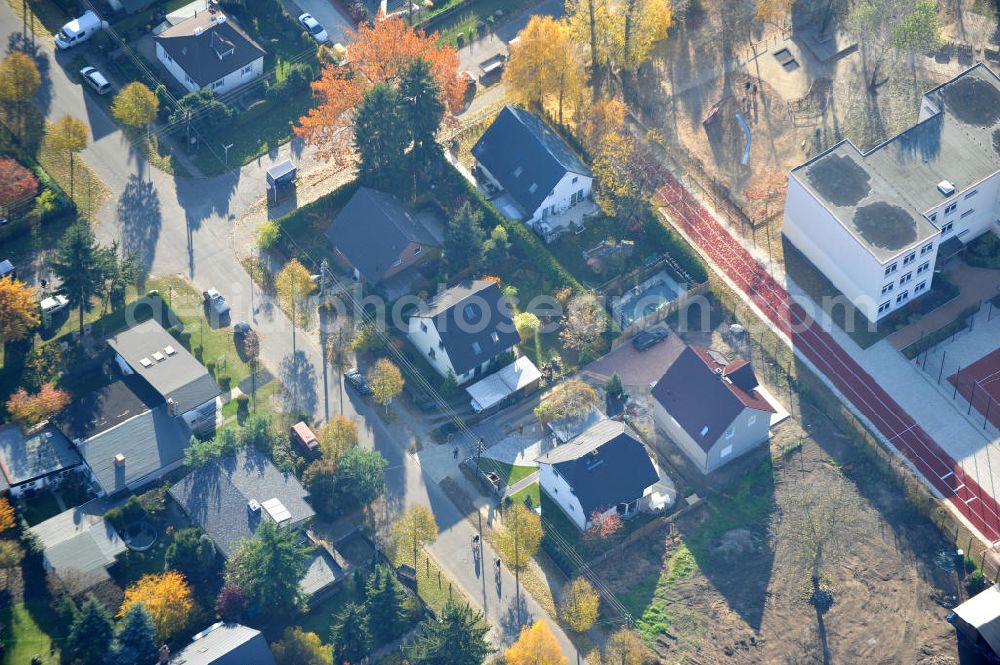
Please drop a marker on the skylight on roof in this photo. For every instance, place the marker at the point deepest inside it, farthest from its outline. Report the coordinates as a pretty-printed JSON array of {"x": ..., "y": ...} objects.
[
  {"x": 146, "y": 362},
  {"x": 518, "y": 171},
  {"x": 169, "y": 350},
  {"x": 469, "y": 312},
  {"x": 533, "y": 188},
  {"x": 704, "y": 430},
  {"x": 158, "y": 357},
  {"x": 477, "y": 348},
  {"x": 276, "y": 510}
]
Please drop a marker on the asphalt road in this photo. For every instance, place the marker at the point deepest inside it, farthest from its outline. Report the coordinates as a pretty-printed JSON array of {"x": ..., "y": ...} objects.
[{"x": 185, "y": 226}]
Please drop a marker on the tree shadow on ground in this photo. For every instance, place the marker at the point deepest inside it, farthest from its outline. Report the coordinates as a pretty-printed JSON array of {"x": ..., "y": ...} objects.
[
  {"x": 140, "y": 219},
  {"x": 516, "y": 616},
  {"x": 298, "y": 379}
]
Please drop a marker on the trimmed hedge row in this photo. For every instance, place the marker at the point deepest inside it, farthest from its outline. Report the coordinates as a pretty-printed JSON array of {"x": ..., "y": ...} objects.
[
  {"x": 296, "y": 226},
  {"x": 677, "y": 247}
]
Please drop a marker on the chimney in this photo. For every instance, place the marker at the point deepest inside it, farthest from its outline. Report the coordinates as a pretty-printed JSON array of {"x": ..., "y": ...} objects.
[
  {"x": 171, "y": 406},
  {"x": 119, "y": 460}
]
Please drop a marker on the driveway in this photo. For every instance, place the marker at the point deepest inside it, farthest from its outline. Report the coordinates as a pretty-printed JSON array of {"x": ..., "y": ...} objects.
[
  {"x": 327, "y": 13},
  {"x": 636, "y": 368}
]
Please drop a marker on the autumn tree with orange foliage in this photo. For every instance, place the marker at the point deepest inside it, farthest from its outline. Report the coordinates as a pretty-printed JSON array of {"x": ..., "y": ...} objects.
[
  {"x": 18, "y": 310},
  {"x": 29, "y": 410},
  {"x": 535, "y": 646},
  {"x": 7, "y": 517},
  {"x": 167, "y": 599},
  {"x": 376, "y": 54}
]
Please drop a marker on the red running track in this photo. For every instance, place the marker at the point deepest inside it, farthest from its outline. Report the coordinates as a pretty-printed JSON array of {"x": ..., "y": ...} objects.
[{"x": 827, "y": 355}]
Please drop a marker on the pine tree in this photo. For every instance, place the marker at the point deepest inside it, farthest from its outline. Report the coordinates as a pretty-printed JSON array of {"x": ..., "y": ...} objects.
[
  {"x": 137, "y": 639},
  {"x": 424, "y": 109},
  {"x": 380, "y": 136},
  {"x": 351, "y": 634},
  {"x": 385, "y": 600},
  {"x": 464, "y": 239},
  {"x": 89, "y": 639},
  {"x": 81, "y": 265},
  {"x": 459, "y": 638}
]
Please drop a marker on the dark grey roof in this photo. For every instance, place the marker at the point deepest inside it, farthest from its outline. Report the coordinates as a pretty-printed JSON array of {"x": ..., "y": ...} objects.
[
  {"x": 225, "y": 644},
  {"x": 703, "y": 402},
  {"x": 107, "y": 407},
  {"x": 216, "y": 495},
  {"x": 209, "y": 46},
  {"x": 25, "y": 457},
  {"x": 79, "y": 545},
  {"x": 373, "y": 229},
  {"x": 6, "y": 268},
  {"x": 150, "y": 441},
  {"x": 467, "y": 316},
  {"x": 177, "y": 376},
  {"x": 526, "y": 157},
  {"x": 605, "y": 465},
  {"x": 880, "y": 196}
]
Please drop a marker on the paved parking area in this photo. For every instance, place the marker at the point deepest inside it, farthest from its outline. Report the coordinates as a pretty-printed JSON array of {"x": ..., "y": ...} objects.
[
  {"x": 636, "y": 368},
  {"x": 328, "y": 14}
]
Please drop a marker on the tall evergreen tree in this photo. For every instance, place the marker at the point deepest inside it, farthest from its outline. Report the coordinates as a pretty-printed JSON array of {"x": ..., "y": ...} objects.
[
  {"x": 424, "y": 109},
  {"x": 385, "y": 599},
  {"x": 137, "y": 639},
  {"x": 89, "y": 640},
  {"x": 268, "y": 568},
  {"x": 464, "y": 239},
  {"x": 82, "y": 266},
  {"x": 351, "y": 634},
  {"x": 459, "y": 638},
  {"x": 380, "y": 136}
]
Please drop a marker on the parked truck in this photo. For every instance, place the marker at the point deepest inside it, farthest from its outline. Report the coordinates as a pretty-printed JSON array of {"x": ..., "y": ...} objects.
[
  {"x": 80, "y": 30},
  {"x": 492, "y": 69}
]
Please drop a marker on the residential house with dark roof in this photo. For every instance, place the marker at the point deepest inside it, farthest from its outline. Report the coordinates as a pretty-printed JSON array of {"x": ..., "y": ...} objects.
[
  {"x": 605, "y": 469},
  {"x": 376, "y": 236},
  {"x": 877, "y": 223},
  {"x": 126, "y": 435},
  {"x": 464, "y": 330},
  {"x": 150, "y": 352},
  {"x": 225, "y": 644},
  {"x": 36, "y": 459},
  {"x": 209, "y": 50},
  {"x": 232, "y": 496},
  {"x": 711, "y": 408},
  {"x": 538, "y": 171},
  {"x": 79, "y": 546}
]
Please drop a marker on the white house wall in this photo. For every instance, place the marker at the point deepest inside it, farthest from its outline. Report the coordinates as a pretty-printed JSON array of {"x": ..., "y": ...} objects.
[
  {"x": 231, "y": 81},
  {"x": 559, "y": 491},
  {"x": 562, "y": 194},
  {"x": 980, "y": 205},
  {"x": 429, "y": 340}
]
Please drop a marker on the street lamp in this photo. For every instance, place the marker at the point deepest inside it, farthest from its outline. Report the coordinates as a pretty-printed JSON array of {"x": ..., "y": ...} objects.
[{"x": 226, "y": 148}]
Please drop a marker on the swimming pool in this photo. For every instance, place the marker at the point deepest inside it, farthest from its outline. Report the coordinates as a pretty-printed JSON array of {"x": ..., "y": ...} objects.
[{"x": 645, "y": 299}]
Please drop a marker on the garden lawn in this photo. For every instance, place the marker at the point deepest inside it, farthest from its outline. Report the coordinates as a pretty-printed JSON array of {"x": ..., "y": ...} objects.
[
  {"x": 24, "y": 638},
  {"x": 532, "y": 492},
  {"x": 508, "y": 472}
]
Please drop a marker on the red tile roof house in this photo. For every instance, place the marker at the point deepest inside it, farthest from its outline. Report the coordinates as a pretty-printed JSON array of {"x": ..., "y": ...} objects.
[{"x": 711, "y": 408}]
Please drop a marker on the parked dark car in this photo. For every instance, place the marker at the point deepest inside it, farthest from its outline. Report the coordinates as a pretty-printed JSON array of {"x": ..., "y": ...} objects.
[
  {"x": 648, "y": 339},
  {"x": 357, "y": 380}
]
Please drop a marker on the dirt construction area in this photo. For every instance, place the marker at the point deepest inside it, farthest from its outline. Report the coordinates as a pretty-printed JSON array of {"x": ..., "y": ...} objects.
[
  {"x": 721, "y": 75},
  {"x": 808, "y": 552}
]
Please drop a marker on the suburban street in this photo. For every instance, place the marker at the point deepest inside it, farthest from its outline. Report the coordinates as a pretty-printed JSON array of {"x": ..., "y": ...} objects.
[{"x": 185, "y": 226}]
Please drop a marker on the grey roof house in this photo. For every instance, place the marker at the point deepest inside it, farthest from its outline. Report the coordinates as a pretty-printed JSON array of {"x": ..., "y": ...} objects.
[
  {"x": 604, "y": 469},
  {"x": 230, "y": 497},
  {"x": 150, "y": 352},
  {"x": 31, "y": 461},
  {"x": 225, "y": 644},
  {"x": 464, "y": 329},
  {"x": 376, "y": 236},
  {"x": 535, "y": 168},
  {"x": 125, "y": 434},
  {"x": 79, "y": 546},
  {"x": 209, "y": 50},
  {"x": 712, "y": 408}
]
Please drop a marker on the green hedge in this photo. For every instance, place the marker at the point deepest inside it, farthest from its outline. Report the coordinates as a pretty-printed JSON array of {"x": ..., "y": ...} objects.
[
  {"x": 296, "y": 227},
  {"x": 520, "y": 236},
  {"x": 676, "y": 246}
]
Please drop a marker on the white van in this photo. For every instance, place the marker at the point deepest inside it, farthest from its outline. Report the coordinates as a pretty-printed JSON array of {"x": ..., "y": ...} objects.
[{"x": 79, "y": 30}]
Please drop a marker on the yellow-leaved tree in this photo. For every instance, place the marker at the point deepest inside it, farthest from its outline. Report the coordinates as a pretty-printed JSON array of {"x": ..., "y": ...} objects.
[
  {"x": 619, "y": 34},
  {"x": 385, "y": 380},
  {"x": 7, "y": 517},
  {"x": 135, "y": 105},
  {"x": 579, "y": 605},
  {"x": 535, "y": 646},
  {"x": 167, "y": 599},
  {"x": 774, "y": 11},
  {"x": 293, "y": 285},
  {"x": 336, "y": 436},
  {"x": 625, "y": 647},
  {"x": 18, "y": 310},
  {"x": 69, "y": 136},
  {"x": 19, "y": 79},
  {"x": 414, "y": 529},
  {"x": 545, "y": 66}
]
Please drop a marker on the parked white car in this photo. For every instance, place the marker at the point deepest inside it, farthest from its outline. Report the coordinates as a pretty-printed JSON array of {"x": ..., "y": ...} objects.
[
  {"x": 216, "y": 303},
  {"x": 316, "y": 31},
  {"x": 54, "y": 304}
]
